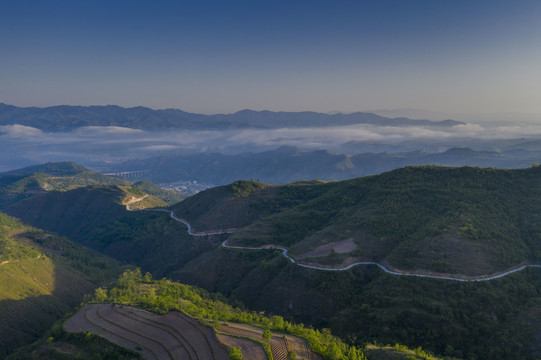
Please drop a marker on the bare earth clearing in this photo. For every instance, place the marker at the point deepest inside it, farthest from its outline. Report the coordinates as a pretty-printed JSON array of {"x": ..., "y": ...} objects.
[
  {"x": 340, "y": 247},
  {"x": 250, "y": 349},
  {"x": 280, "y": 343}
]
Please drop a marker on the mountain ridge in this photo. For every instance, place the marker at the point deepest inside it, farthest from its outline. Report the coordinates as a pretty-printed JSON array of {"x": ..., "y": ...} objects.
[
  {"x": 490, "y": 214},
  {"x": 19, "y": 184},
  {"x": 66, "y": 118}
]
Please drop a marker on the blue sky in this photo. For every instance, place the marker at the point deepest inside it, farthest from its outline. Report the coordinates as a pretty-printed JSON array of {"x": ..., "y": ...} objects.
[{"x": 223, "y": 56}]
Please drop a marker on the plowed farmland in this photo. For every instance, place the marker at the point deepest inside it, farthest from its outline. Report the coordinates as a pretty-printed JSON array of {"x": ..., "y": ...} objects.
[
  {"x": 177, "y": 336},
  {"x": 250, "y": 349},
  {"x": 169, "y": 337},
  {"x": 280, "y": 344}
]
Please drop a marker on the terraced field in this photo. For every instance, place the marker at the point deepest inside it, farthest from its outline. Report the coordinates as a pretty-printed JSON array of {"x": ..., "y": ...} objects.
[
  {"x": 250, "y": 349},
  {"x": 300, "y": 346},
  {"x": 169, "y": 337},
  {"x": 280, "y": 344},
  {"x": 177, "y": 336}
]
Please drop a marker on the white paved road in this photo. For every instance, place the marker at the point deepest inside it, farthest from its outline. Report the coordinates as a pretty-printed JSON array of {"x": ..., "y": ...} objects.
[{"x": 322, "y": 268}]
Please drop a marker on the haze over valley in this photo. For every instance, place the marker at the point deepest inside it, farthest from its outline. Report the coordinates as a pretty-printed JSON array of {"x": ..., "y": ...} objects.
[
  {"x": 222, "y": 148},
  {"x": 270, "y": 180}
]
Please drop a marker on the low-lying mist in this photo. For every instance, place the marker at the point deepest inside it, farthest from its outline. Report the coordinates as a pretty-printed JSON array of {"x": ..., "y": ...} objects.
[{"x": 103, "y": 146}]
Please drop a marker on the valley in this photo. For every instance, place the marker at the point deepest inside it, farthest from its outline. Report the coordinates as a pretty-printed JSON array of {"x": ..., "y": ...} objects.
[
  {"x": 43, "y": 276},
  {"x": 398, "y": 247},
  {"x": 270, "y": 180}
]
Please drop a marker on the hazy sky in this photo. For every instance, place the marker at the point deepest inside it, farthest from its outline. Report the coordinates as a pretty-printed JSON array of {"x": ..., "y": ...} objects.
[{"x": 227, "y": 55}]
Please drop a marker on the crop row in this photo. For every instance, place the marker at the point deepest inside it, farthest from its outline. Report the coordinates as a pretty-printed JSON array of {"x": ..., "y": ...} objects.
[
  {"x": 169, "y": 337},
  {"x": 278, "y": 344}
]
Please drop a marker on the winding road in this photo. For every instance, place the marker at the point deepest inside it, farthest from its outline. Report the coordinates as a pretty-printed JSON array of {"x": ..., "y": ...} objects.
[{"x": 382, "y": 267}]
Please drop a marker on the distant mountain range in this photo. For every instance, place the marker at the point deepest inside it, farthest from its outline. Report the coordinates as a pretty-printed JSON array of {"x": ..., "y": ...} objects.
[{"x": 66, "y": 118}]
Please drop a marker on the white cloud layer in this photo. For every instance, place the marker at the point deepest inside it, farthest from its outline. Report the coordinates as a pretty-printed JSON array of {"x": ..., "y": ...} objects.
[
  {"x": 19, "y": 131},
  {"x": 118, "y": 143}
]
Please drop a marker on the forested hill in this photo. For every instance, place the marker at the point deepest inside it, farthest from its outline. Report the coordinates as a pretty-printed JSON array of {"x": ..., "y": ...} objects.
[
  {"x": 20, "y": 184},
  {"x": 451, "y": 220},
  {"x": 65, "y": 118},
  {"x": 467, "y": 221}
]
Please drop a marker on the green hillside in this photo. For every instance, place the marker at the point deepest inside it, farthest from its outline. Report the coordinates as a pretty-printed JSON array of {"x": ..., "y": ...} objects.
[
  {"x": 96, "y": 216},
  {"x": 20, "y": 184},
  {"x": 162, "y": 296},
  {"x": 225, "y": 207},
  {"x": 450, "y": 220},
  {"x": 470, "y": 220},
  {"x": 42, "y": 277}
]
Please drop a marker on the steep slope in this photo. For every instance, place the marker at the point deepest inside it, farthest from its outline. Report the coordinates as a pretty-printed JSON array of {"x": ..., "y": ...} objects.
[
  {"x": 226, "y": 207},
  {"x": 451, "y": 220},
  {"x": 470, "y": 220},
  {"x": 96, "y": 216},
  {"x": 42, "y": 277}
]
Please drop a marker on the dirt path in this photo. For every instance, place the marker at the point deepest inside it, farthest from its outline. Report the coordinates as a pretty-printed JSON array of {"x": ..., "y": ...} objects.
[{"x": 133, "y": 201}]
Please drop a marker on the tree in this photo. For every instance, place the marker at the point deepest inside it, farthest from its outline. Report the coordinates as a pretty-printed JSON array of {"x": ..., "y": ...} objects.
[
  {"x": 355, "y": 354},
  {"x": 235, "y": 353},
  {"x": 267, "y": 335},
  {"x": 333, "y": 351},
  {"x": 129, "y": 279},
  {"x": 100, "y": 295},
  {"x": 278, "y": 322},
  {"x": 291, "y": 355}
]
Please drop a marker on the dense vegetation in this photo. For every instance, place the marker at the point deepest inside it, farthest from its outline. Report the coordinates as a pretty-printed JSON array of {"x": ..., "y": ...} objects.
[
  {"x": 226, "y": 207},
  {"x": 164, "y": 295},
  {"x": 454, "y": 220},
  {"x": 464, "y": 220},
  {"x": 488, "y": 320},
  {"x": 42, "y": 276}
]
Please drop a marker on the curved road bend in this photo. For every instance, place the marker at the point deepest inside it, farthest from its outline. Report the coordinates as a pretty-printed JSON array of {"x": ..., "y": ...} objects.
[{"x": 382, "y": 267}]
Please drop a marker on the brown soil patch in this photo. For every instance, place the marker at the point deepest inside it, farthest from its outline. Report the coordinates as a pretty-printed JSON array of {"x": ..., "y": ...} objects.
[
  {"x": 300, "y": 346},
  {"x": 340, "y": 247},
  {"x": 170, "y": 336},
  {"x": 280, "y": 343},
  {"x": 250, "y": 349}
]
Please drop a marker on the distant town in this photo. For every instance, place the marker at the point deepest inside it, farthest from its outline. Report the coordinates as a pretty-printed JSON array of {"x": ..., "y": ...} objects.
[{"x": 187, "y": 187}]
